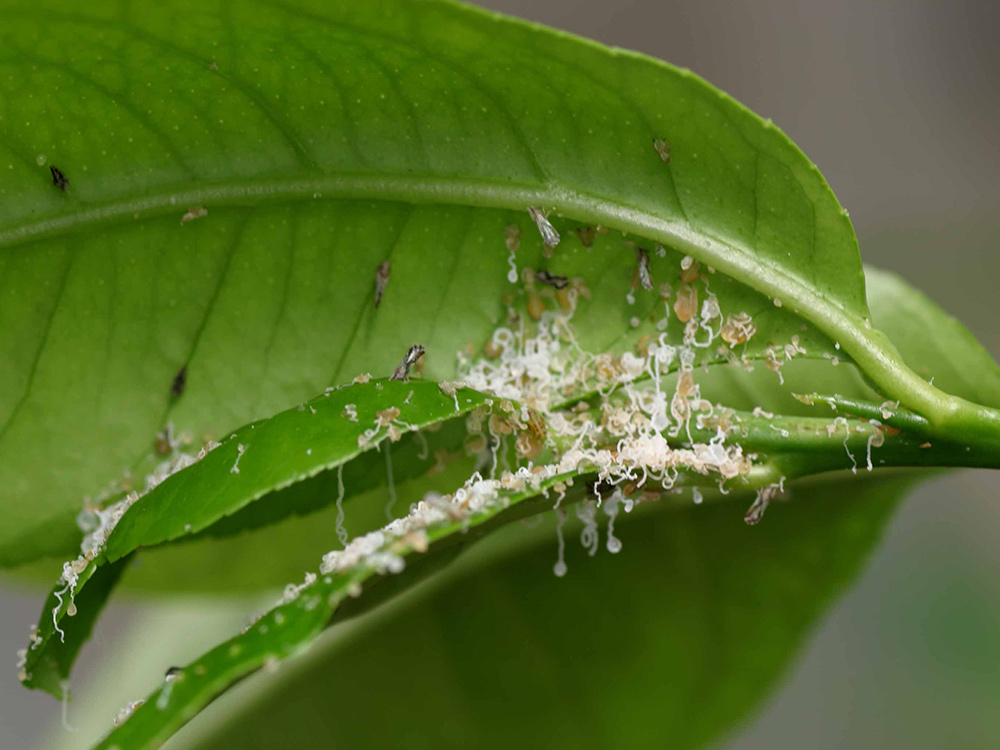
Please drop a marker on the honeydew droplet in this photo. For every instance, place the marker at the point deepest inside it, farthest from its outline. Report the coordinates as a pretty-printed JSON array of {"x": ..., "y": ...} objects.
[
  {"x": 512, "y": 273},
  {"x": 560, "y": 567},
  {"x": 341, "y": 531},
  {"x": 614, "y": 545}
]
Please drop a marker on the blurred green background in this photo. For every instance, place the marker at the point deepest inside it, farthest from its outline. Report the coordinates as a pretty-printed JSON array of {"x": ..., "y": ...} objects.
[{"x": 897, "y": 102}]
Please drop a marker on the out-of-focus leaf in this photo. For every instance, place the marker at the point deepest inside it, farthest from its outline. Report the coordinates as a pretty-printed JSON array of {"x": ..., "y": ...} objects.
[{"x": 666, "y": 644}]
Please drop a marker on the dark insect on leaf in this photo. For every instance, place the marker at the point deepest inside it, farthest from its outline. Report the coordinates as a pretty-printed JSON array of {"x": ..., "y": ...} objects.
[
  {"x": 381, "y": 281},
  {"x": 552, "y": 279},
  {"x": 402, "y": 372},
  {"x": 58, "y": 178},
  {"x": 180, "y": 380}
]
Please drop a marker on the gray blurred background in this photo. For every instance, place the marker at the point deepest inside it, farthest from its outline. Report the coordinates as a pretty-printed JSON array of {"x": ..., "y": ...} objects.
[{"x": 897, "y": 102}]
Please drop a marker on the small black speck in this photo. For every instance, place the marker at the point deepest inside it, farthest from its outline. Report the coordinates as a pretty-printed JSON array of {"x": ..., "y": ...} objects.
[
  {"x": 58, "y": 178},
  {"x": 171, "y": 671},
  {"x": 180, "y": 380},
  {"x": 552, "y": 279}
]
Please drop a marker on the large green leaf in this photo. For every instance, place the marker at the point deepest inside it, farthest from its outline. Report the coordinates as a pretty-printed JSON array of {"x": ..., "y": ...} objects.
[
  {"x": 225, "y": 220},
  {"x": 323, "y": 139}
]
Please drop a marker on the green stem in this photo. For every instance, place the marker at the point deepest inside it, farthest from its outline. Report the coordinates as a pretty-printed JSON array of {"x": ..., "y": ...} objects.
[
  {"x": 886, "y": 413},
  {"x": 809, "y": 445}
]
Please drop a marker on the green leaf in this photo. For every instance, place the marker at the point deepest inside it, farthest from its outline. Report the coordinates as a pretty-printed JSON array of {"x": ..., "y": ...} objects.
[
  {"x": 934, "y": 343},
  {"x": 193, "y": 499},
  {"x": 293, "y": 446},
  {"x": 803, "y": 531},
  {"x": 51, "y": 659},
  {"x": 255, "y": 461},
  {"x": 413, "y": 132},
  {"x": 223, "y": 226},
  {"x": 432, "y": 531}
]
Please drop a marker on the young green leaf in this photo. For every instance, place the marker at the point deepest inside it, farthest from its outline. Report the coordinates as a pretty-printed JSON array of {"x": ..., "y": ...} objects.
[
  {"x": 434, "y": 527},
  {"x": 265, "y": 457},
  {"x": 261, "y": 458}
]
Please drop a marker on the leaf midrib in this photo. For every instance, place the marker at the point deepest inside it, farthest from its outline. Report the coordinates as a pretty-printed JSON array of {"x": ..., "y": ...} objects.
[
  {"x": 854, "y": 333},
  {"x": 575, "y": 205}
]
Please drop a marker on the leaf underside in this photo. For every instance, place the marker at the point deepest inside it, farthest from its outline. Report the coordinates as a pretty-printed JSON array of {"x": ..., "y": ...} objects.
[{"x": 322, "y": 141}]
